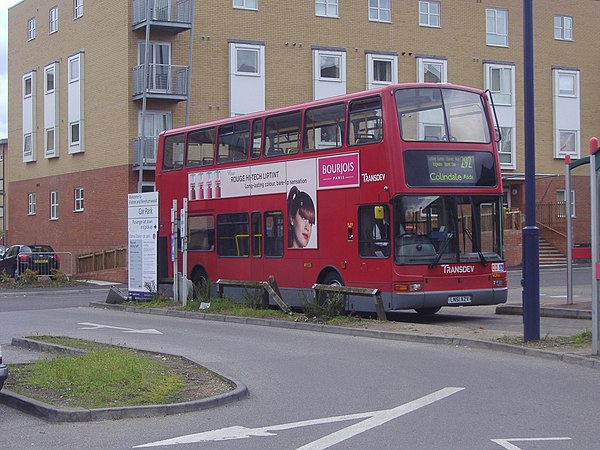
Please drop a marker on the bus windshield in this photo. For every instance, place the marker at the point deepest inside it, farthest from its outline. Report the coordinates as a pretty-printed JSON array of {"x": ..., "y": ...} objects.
[
  {"x": 441, "y": 229},
  {"x": 436, "y": 114}
]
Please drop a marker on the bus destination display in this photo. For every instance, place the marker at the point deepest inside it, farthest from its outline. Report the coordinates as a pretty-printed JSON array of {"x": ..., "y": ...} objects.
[{"x": 451, "y": 168}]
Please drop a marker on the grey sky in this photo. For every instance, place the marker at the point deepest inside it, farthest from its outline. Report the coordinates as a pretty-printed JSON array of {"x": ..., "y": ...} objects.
[{"x": 4, "y": 5}]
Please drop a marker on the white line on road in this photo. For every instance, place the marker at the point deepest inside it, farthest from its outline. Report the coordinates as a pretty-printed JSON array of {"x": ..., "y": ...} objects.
[
  {"x": 506, "y": 443},
  {"x": 97, "y": 326},
  {"x": 373, "y": 419}
]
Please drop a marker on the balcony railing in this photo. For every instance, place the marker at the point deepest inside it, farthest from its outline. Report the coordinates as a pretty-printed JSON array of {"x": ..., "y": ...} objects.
[
  {"x": 163, "y": 81},
  {"x": 166, "y": 14},
  {"x": 146, "y": 147}
]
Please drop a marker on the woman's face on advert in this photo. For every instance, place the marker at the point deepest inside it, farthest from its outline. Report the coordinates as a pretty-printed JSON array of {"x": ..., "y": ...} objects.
[{"x": 302, "y": 230}]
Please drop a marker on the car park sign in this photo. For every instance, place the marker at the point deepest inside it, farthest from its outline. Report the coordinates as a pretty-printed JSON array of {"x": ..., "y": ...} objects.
[{"x": 142, "y": 243}]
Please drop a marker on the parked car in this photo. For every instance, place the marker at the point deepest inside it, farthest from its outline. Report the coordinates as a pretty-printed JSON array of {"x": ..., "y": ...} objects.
[
  {"x": 3, "y": 371},
  {"x": 37, "y": 257}
]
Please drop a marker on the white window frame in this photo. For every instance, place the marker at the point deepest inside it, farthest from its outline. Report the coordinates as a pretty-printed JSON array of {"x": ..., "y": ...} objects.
[
  {"x": 79, "y": 198},
  {"x": 31, "y": 204},
  {"x": 254, "y": 49},
  {"x": 47, "y": 71},
  {"x": 511, "y": 150},
  {"x": 77, "y": 9},
  {"x": 372, "y": 59},
  {"x": 334, "y": 55},
  {"x": 493, "y": 27},
  {"x": 74, "y": 61},
  {"x": 572, "y": 76},
  {"x": 377, "y": 10},
  {"x": 53, "y": 20},
  {"x": 50, "y": 142},
  {"x": 504, "y": 94},
  {"x": 31, "y": 29},
  {"x": 329, "y": 8},
  {"x": 27, "y": 85},
  {"x": 560, "y": 198},
  {"x": 53, "y": 205},
  {"x": 568, "y": 133},
  {"x": 72, "y": 141},
  {"x": 427, "y": 17},
  {"x": 423, "y": 63},
  {"x": 246, "y": 4},
  {"x": 563, "y": 28}
]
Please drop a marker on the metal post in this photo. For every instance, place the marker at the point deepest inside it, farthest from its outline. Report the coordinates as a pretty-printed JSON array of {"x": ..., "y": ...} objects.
[
  {"x": 531, "y": 256},
  {"x": 594, "y": 188},
  {"x": 190, "y": 58},
  {"x": 569, "y": 230},
  {"x": 174, "y": 229},
  {"x": 144, "y": 95},
  {"x": 183, "y": 226}
]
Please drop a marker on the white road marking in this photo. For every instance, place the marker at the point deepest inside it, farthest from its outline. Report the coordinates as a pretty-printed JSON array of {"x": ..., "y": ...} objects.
[
  {"x": 373, "y": 419},
  {"x": 97, "y": 326},
  {"x": 506, "y": 443}
]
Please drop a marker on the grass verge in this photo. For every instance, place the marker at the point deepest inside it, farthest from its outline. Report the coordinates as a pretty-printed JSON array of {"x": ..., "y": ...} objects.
[{"x": 110, "y": 376}]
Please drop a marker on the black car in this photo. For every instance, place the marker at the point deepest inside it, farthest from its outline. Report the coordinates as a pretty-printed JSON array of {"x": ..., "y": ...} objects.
[
  {"x": 3, "y": 371},
  {"x": 39, "y": 258}
]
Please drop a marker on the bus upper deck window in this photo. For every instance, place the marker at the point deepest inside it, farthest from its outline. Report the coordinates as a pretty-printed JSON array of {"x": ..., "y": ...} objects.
[
  {"x": 324, "y": 127},
  {"x": 365, "y": 121},
  {"x": 173, "y": 152},
  {"x": 256, "y": 139},
  {"x": 201, "y": 148},
  {"x": 233, "y": 142},
  {"x": 282, "y": 134}
]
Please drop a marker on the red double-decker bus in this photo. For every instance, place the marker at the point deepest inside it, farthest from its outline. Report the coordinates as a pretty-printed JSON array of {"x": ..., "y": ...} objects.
[{"x": 396, "y": 188}]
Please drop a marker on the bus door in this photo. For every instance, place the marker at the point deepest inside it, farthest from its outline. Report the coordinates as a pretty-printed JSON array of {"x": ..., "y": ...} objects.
[{"x": 374, "y": 246}]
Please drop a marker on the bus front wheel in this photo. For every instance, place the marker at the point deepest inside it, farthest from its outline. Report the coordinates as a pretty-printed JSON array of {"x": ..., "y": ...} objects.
[{"x": 428, "y": 311}]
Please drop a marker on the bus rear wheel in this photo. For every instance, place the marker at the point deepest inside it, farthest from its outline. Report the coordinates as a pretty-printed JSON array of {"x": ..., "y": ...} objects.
[
  {"x": 332, "y": 303},
  {"x": 428, "y": 311}
]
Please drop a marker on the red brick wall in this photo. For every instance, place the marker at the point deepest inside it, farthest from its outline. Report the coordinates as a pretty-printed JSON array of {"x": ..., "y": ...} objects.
[
  {"x": 101, "y": 226},
  {"x": 513, "y": 252}
]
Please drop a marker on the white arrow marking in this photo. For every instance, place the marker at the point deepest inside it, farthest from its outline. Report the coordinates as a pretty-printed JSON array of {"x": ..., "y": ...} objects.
[
  {"x": 373, "y": 419},
  {"x": 506, "y": 443},
  {"x": 97, "y": 326}
]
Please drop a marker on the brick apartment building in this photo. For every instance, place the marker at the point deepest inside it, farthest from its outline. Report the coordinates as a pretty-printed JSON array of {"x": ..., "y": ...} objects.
[{"x": 83, "y": 127}]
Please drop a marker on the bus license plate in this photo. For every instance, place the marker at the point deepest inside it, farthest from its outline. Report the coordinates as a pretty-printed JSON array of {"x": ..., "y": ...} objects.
[{"x": 459, "y": 299}]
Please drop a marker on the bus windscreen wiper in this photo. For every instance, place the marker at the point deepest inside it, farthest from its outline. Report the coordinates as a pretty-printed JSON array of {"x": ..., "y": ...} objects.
[
  {"x": 478, "y": 250},
  {"x": 441, "y": 251}
]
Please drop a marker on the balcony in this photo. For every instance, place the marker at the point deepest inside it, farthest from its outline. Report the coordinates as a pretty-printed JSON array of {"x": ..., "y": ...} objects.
[
  {"x": 164, "y": 82},
  {"x": 165, "y": 15},
  {"x": 147, "y": 147}
]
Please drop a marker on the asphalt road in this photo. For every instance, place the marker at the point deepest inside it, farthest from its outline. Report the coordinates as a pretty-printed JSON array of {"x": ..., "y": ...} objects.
[{"x": 315, "y": 390}]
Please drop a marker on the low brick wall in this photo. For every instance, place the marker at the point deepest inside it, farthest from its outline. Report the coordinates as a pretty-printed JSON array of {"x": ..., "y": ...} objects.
[
  {"x": 513, "y": 248},
  {"x": 117, "y": 276}
]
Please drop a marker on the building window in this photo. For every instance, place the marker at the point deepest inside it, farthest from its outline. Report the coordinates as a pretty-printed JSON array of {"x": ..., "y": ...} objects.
[
  {"x": 326, "y": 8},
  {"x": 78, "y": 199},
  {"x": 27, "y": 145},
  {"x": 77, "y": 9},
  {"x": 74, "y": 133},
  {"x": 53, "y": 205},
  {"x": 429, "y": 14},
  {"x": 330, "y": 66},
  {"x": 432, "y": 70},
  {"x": 563, "y": 28},
  {"x": 31, "y": 29},
  {"x": 379, "y": 10},
  {"x": 500, "y": 84},
  {"x": 245, "y": 4},
  {"x": 53, "y": 20},
  {"x": 496, "y": 27},
  {"x": 50, "y": 143},
  {"x": 246, "y": 61},
  {"x": 568, "y": 142},
  {"x": 506, "y": 147},
  {"x": 562, "y": 201},
  {"x": 73, "y": 69},
  {"x": 27, "y": 86},
  {"x": 567, "y": 83},
  {"x": 382, "y": 71},
  {"x": 31, "y": 204},
  {"x": 49, "y": 85}
]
